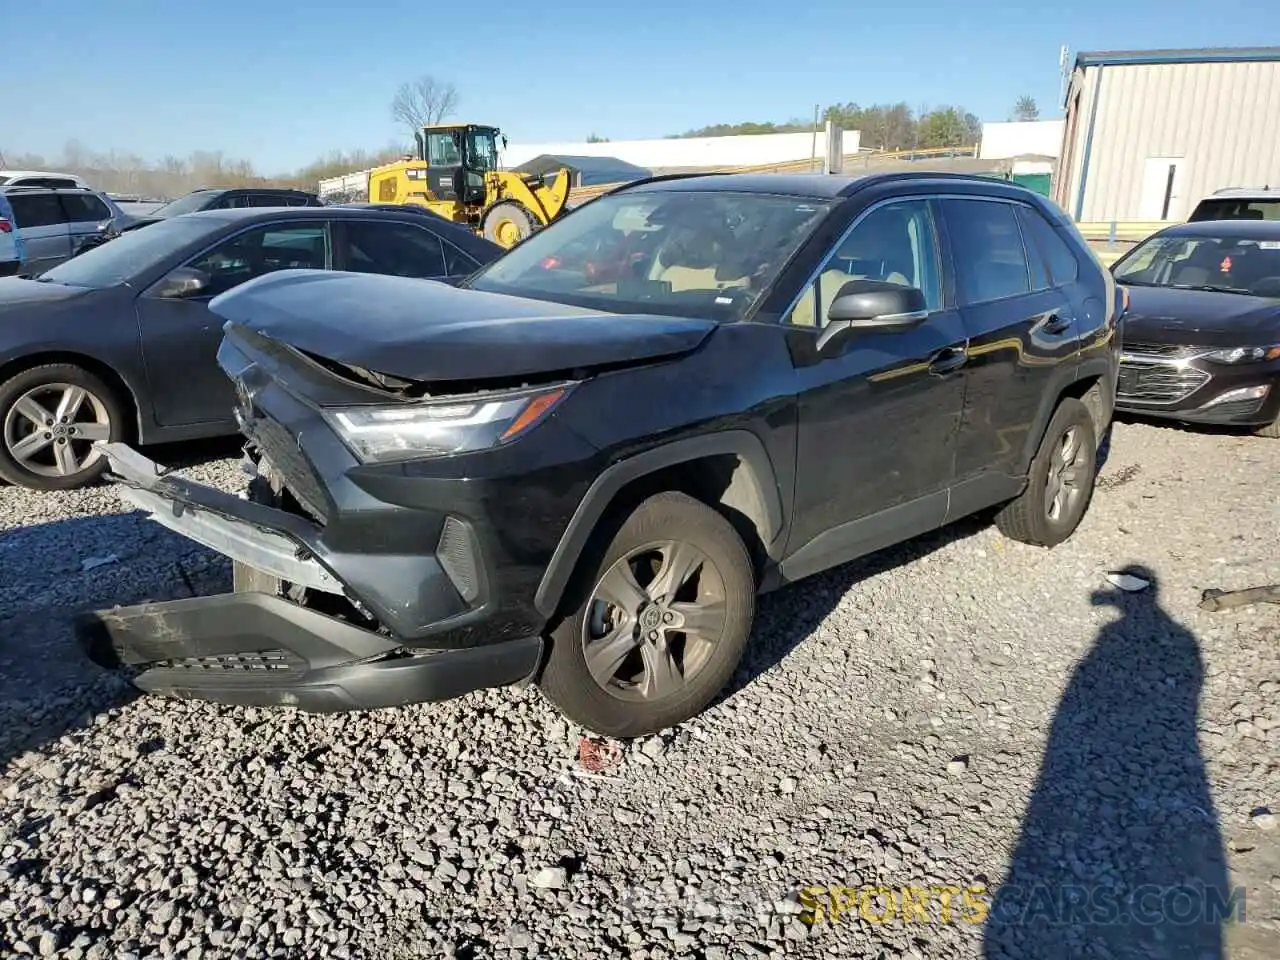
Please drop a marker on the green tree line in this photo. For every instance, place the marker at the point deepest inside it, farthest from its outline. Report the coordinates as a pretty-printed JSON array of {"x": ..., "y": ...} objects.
[{"x": 884, "y": 126}]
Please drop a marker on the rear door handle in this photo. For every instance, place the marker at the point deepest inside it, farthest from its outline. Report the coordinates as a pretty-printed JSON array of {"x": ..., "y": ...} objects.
[
  {"x": 1056, "y": 323},
  {"x": 948, "y": 360}
]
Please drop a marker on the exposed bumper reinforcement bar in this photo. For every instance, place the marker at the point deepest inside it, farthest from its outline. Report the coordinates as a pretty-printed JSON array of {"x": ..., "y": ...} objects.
[
  {"x": 260, "y": 650},
  {"x": 221, "y": 521}
]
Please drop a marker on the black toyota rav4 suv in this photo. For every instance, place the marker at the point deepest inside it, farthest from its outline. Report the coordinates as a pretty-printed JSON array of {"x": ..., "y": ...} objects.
[{"x": 582, "y": 465}]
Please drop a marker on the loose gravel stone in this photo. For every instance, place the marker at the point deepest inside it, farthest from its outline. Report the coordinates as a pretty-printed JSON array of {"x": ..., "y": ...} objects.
[{"x": 1109, "y": 739}]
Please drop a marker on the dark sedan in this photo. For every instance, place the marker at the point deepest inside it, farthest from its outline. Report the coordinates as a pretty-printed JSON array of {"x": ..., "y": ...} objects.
[
  {"x": 118, "y": 343},
  {"x": 1202, "y": 335}
]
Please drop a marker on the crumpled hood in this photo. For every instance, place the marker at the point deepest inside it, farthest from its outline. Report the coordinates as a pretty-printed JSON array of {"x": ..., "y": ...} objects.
[
  {"x": 424, "y": 330},
  {"x": 1200, "y": 318}
]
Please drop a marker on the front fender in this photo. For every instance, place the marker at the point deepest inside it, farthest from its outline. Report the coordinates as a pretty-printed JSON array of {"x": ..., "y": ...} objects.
[{"x": 741, "y": 443}]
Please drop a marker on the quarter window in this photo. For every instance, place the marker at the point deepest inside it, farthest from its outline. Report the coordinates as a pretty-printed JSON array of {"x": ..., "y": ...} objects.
[
  {"x": 991, "y": 262},
  {"x": 896, "y": 243},
  {"x": 1064, "y": 268},
  {"x": 84, "y": 207}
]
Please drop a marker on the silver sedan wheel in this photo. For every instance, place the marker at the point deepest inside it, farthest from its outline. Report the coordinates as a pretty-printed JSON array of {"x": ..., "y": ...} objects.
[{"x": 50, "y": 430}]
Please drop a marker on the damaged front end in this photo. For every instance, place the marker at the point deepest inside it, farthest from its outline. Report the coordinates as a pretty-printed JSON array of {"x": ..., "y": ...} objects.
[{"x": 290, "y": 633}]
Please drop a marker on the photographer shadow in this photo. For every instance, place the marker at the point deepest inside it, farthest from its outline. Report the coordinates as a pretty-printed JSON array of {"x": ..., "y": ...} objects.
[{"x": 1120, "y": 853}]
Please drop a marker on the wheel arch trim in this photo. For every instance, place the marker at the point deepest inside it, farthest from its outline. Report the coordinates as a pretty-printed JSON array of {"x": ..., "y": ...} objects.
[
  {"x": 606, "y": 487},
  {"x": 44, "y": 356}
]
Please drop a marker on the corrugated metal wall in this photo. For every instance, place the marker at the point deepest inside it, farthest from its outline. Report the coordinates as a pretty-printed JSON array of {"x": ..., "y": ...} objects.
[{"x": 1221, "y": 119}]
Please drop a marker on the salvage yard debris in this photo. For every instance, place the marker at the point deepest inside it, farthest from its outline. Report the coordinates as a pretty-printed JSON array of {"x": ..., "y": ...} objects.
[{"x": 1214, "y": 600}]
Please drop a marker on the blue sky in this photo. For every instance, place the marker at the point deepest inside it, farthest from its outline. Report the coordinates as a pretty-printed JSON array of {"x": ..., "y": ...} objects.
[{"x": 280, "y": 83}]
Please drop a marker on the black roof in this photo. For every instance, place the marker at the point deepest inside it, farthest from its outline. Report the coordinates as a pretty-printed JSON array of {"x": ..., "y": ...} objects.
[{"x": 1226, "y": 229}]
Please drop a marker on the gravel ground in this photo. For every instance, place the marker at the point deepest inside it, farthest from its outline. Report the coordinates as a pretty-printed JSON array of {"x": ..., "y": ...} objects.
[{"x": 962, "y": 711}]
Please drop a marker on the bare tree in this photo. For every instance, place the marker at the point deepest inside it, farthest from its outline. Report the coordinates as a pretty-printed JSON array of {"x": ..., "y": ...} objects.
[
  {"x": 1026, "y": 109},
  {"x": 422, "y": 102}
]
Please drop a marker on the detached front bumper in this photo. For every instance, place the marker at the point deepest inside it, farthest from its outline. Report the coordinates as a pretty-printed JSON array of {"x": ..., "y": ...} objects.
[{"x": 260, "y": 648}]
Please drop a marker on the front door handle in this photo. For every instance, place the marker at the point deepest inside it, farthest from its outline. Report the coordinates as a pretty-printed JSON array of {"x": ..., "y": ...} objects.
[
  {"x": 1056, "y": 323},
  {"x": 948, "y": 360}
]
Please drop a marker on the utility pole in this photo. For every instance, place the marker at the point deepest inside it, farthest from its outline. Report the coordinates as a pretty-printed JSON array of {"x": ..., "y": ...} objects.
[{"x": 813, "y": 156}]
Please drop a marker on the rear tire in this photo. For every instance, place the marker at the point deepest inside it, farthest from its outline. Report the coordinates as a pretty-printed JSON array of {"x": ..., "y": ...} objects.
[
  {"x": 49, "y": 418},
  {"x": 507, "y": 223},
  {"x": 1271, "y": 430},
  {"x": 1060, "y": 482},
  {"x": 645, "y": 673}
]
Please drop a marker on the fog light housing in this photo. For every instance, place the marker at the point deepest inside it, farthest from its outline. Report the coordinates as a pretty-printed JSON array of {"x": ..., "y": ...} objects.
[
  {"x": 1240, "y": 393},
  {"x": 457, "y": 553}
]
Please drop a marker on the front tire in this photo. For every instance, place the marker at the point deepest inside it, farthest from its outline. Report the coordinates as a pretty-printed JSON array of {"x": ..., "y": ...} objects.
[
  {"x": 507, "y": 223},
  {"x": 657, "y": 623},
  {"x": 1060, "y": 483},
  {"x": 50, "y": 418}
]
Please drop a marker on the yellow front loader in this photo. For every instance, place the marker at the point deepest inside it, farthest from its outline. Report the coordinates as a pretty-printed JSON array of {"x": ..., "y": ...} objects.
[{"x": 456, "y": 175}]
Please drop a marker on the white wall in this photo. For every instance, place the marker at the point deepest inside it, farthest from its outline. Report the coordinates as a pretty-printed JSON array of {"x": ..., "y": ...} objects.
[
  {"x": 689, "y": 152},
  {"x": 1003, "y": 140}
]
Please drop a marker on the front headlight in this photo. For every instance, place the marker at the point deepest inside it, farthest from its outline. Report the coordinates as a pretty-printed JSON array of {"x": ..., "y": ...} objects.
[
  {"x": 1243, "y": 354},
  {"x": 439, "y": 428}
]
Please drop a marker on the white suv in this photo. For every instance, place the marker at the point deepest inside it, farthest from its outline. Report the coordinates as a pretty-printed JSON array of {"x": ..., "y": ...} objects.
[
  {"x": 1239, "y": 203},
  {"x": 41, "y": 178}
]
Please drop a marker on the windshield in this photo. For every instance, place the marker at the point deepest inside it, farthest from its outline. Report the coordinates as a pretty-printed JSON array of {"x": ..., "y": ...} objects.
[
  {"x": 131, "y": 253},
  {"x": 188, "y": 204},
  {"x": 1228, "y": 264},
  {"x": 700, "y": 254}
]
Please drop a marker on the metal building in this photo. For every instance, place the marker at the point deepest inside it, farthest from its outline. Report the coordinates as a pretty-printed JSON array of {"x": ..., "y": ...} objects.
[{"x": 1150, "y": 132}]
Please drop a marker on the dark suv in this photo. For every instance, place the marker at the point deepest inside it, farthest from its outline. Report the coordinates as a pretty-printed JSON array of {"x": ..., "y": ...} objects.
[
  {"x": 540, "y": 475},
  {"x": 230, "y": 198}
]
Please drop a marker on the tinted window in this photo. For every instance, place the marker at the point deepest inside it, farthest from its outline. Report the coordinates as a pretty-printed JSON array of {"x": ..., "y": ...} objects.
[
  {"x": 1237, "y": 210},
  {"x": 991, "y": 263},
  {"x": 399, "y": 249},
  {"x": 132, "y": 253},
  {"x": 700, "y": 253},
  {"x": 50, "y": 183},
  {"x": 456, "y": 262},
  {"x": 896, "y": 243},
  {"x": 1063, "y": 266},
  {"x": 263, "y": 250},
  {"x": 82, "y": 207},
  {"x": 36, "y": 209}
]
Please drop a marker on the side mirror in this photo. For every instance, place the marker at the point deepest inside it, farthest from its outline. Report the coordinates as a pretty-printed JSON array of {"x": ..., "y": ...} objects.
[
  {"x": 872, "y": 306},
  {"x": 182, "y": 283}
]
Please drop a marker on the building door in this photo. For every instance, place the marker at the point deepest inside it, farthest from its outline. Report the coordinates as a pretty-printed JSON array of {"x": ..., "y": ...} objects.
[{"x": 1162, "y": 195}]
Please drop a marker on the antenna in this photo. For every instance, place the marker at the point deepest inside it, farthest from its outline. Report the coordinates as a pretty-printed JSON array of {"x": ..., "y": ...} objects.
[{"x": 1064, "y": 74}]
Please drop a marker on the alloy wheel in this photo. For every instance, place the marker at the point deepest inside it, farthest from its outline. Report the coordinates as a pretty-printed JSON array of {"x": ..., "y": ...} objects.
[
  {"x": 1066, "y": 482},
  {"x": 51, "y": 429},
  {"x": 654, "y": 618}
]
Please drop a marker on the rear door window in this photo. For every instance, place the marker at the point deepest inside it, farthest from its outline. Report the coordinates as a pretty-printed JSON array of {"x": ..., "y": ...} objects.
[
  {"x": 986, "y": 244},
  {"x": 398, "y": 249},
  {"x": 32, "y": 210}
]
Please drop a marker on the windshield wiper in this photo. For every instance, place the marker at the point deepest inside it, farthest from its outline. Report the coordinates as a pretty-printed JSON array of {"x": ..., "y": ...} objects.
[{"x": 1208, "y": 288}]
